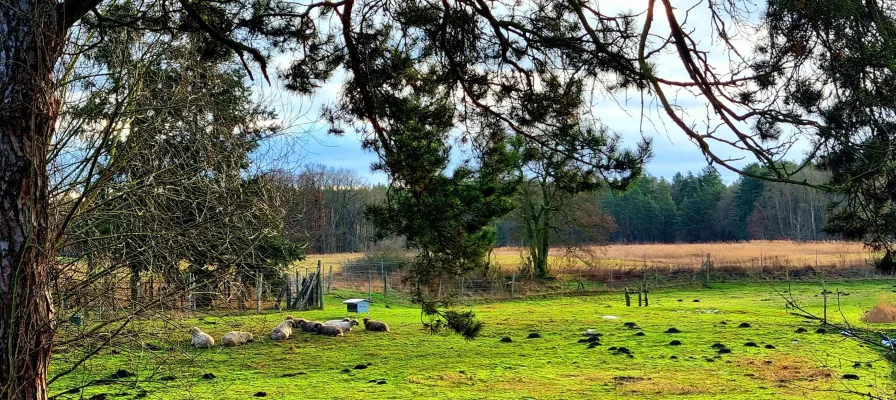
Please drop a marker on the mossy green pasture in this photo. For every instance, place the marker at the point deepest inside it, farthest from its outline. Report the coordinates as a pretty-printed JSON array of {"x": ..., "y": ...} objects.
[{"x": 410, "y": 363}]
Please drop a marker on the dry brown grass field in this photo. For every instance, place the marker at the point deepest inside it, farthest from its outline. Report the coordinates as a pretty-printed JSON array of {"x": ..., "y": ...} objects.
[
  {"x": 762, "y": 258},
  {"x": 826, "y": 253}
]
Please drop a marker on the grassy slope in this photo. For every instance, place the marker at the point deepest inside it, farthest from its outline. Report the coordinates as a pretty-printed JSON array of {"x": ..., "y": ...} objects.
[{"x": 414, "y": 363}]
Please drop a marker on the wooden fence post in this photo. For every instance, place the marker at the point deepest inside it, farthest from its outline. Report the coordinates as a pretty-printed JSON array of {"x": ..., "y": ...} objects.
[
  {"x": 628, "y": 298},
  {"x": 639, "y": 298},
  {"x": 824, "y": 294},
  {"x": 708, "y": 266},
  {"x": 369, "y": 282},
  {"x": 258, "y": 281},
  {"x": 512, "y": 285},
  {"x": 320, "y": 285},
  {"x": 330, "y": 280},
  {"x": 646, "y": 299},
  {"x": 385, "y": 282},
  {"x": 288, "y": 289},
  {"x": 760, "y": 264},
  {"x": 239, "y": 293}
]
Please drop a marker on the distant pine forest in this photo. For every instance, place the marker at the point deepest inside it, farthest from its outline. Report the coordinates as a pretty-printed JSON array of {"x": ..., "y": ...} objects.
[{"x": 692, "y": 207}]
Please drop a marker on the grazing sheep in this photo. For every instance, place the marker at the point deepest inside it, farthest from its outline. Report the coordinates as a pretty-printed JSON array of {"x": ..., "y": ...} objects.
[
  {"x": 310, "y": 326},
  {"x": 201, "y": 339},
  {"x": 376, "y": 326},
  {"x": 329, "y": 330},
  {"x": 236, "y": 338},
  {"x": 344, "y": 324},
  {"x": 284, "y": 330}
]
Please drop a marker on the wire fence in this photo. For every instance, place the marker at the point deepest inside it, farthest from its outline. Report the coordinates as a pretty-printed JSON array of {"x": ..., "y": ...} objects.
[
  {"x": 504, "y": 283},
  {"x": 304, "y": 287}
]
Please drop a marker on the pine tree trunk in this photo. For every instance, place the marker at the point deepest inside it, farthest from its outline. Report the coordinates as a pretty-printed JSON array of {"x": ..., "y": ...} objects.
[{"x": 31, "y": 42}]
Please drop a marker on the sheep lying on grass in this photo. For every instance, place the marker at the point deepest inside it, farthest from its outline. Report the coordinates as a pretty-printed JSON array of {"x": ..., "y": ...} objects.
[
  {"x": 310, "y": 326},
  {"x": 284, "y": 330},
  {"x": 376, "y": 326},
  {"x": 329, "y": 330},
  {"x": 201, "y": 339},
  {"x": 344, "y": 324},
  {"x": 236, "y": 338}
]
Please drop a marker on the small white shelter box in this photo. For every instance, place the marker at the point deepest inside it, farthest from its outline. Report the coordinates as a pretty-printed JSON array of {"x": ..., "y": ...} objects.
[{"x": 357, "y": 306}]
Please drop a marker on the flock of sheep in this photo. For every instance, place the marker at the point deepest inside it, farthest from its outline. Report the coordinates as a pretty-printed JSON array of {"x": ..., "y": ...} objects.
[{"x": 283, "y": 331}]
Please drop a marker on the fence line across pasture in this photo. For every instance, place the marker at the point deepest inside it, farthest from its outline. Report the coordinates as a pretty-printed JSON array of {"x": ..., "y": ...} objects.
[{"x": 377, "y": 278}]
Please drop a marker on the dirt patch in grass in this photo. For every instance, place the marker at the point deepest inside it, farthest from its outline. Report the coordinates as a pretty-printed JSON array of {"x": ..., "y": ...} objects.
[
  {"x": 631, "y": 385},
  {"x": 783, "y": 369}
]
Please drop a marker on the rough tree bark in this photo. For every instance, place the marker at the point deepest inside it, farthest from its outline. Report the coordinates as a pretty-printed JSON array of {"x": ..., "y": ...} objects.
[{"x": 31, "y": 42}]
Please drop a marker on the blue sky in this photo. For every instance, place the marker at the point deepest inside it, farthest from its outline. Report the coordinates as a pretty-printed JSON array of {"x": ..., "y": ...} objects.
[{"x": 673, "y": 150}]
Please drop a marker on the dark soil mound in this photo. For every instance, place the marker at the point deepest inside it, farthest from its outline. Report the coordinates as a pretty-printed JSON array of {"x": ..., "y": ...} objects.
[
  {"x": 675, "y": 343},
  {"x": 209, "y": 376},
  {"x": 121, "y": 374},
  {"x": 724, "y": 350},
  {"x": 260, "y": 394},
  {"x": 801, "y": 330},
  {"x": 851, "y": 377},
  {"x": 672, "y": 330},
  {"x": 751, "y": 344},
  {"x": 534, "y": 335},
  {"x": 360, "y": 366},
  {"x": 639, "y": 334},
  {"x": 744, "y": 325},
  {"x": 769, "y": 346},
  {"x": 506, "y": 339}
]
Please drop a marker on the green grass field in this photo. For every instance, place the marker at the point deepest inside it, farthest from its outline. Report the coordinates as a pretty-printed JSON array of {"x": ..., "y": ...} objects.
[{"x": 410, "y": 363}]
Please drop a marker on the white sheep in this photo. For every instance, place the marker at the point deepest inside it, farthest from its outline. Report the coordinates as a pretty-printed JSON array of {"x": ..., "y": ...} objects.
[
  {"x": 236, "y": 338},
  {"x": 344, "y": 324},
  {"x": 201, "y": 339},
  {"x": 284, "y": 330}
]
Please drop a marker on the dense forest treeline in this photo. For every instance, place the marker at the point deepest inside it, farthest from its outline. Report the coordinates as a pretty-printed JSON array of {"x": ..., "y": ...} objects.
[{"x": 692, "y": 207}]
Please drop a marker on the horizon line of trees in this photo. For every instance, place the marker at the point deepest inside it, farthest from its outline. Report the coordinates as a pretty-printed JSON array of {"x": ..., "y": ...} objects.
[{"x": 689, "y": 208}]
